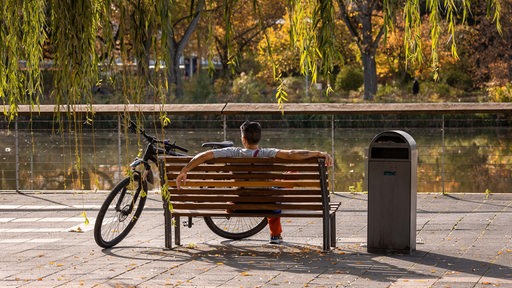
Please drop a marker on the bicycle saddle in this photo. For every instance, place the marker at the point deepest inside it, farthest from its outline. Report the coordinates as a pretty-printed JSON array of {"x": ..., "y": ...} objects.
[{"x": 216, "y": 145}]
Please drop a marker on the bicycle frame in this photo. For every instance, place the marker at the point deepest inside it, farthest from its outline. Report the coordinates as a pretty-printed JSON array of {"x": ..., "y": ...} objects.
[{"x": 150, "y": 154}]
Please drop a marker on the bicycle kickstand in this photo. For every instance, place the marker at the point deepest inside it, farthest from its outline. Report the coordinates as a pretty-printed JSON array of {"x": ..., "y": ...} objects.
[{"x": 188, "y": 223}]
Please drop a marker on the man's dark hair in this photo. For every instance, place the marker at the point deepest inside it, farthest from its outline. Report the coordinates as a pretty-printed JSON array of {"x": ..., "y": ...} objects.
[{"x": 251, "y": 131}]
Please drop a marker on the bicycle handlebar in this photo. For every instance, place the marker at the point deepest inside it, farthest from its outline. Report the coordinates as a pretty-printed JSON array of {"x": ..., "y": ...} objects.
[
  {"x": 173, "y": 146},
  {"x": 151, "y": 139}
]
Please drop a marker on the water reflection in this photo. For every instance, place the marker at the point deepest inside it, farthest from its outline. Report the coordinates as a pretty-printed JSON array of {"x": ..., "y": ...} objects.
[{"x": 471, "y": 160}]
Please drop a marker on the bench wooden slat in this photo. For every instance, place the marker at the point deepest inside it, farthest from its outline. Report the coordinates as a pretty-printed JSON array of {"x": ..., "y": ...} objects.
[
  {"x": 186, "y": 159},
  {"x": 221, "y": 213},
  {"x": 243, "y": 192},
  {"x": 246, "y": 168},
  {"x": 262, "y": 184},
  {"x": 260, "y": 206},
  {"x": 221, "y": 176},
  {"x": 252, "y": 199}
]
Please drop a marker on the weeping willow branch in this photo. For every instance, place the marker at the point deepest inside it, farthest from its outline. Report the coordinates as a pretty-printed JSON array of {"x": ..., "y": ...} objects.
[
  {"x": 75, "y": 25},
  {"x": 21, "y": 53}
]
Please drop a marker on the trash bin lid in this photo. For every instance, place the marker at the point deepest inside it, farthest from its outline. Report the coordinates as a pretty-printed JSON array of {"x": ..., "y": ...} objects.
[{"x": 394, "y": 136}]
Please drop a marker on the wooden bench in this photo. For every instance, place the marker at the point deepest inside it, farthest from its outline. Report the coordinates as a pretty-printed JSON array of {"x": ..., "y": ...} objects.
[{"x": 256, "y": 187}]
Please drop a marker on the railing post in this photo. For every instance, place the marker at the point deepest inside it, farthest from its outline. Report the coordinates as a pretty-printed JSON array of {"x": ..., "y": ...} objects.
[
  {"x": 224, "y": 126},
  {"x": 442, "y": 154},
  {"x": 16, "y": 148},
  {"x": 119, "y": 170},
  {"x": 332, "y": 153}
]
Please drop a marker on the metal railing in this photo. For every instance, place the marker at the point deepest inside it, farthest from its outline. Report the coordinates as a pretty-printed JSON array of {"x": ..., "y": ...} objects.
[{"x": 344, "y": 129}]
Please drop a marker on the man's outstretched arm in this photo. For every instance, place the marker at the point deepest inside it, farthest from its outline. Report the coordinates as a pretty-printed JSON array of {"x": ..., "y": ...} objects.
[
  {"x": 304, "y": 154},
  {"x": 196, "y": 161}
]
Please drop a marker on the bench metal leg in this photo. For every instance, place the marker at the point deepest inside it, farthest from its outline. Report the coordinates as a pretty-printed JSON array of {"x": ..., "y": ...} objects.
[
  {"x": 326, "y": 227},
  {"x": 168, "y": 227},
  {"x": 177, "y": 228},
  {"x": 332, "y": 233}
]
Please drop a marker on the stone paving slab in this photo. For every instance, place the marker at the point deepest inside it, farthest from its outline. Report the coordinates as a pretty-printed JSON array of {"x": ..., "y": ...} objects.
[{"x": 464, "y": 240}]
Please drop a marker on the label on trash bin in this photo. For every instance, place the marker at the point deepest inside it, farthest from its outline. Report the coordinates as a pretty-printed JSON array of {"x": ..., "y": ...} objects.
[{"x": 389, "y": 173}]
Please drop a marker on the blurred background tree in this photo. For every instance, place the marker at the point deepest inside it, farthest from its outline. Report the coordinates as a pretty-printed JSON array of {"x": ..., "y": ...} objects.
[{"x": 155, "y": 51}]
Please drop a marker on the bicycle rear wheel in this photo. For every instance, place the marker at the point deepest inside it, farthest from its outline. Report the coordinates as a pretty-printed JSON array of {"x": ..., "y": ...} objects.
[
  {"x": 235, "y": 227},
  {"x": 119, "y": 212}
]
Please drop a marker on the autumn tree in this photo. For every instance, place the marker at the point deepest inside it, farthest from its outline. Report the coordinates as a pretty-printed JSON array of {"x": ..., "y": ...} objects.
[
  {"x": 369, "y": 21},
  {"x": 486, "y": 52},
  {"x": 238, "y": 26},
  {"x": 155, "y": 29}
]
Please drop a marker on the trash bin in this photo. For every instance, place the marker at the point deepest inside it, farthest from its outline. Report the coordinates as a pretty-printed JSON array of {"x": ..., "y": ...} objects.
[{"x": 392, "y": 189}]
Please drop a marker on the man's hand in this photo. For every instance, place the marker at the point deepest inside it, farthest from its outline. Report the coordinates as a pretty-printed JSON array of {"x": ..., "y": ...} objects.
[
  {"x": 196, "y": 161},
  {"x": 181, "y": 179},
  {"x": 328, "y": 159},
  {"x": 304, "y": 154}
]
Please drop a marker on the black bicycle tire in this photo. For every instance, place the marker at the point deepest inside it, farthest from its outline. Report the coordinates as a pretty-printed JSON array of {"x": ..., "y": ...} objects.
[
  {"x": 98, "y": 231},
  {"x": 235, "y": 235}
]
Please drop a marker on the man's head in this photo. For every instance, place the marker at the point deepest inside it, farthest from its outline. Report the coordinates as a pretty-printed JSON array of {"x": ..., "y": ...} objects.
[{"x": 251, "y": 132}]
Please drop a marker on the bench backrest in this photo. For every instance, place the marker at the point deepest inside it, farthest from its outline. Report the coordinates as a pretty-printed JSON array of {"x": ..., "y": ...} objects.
[{"x": 238, "y": 184}]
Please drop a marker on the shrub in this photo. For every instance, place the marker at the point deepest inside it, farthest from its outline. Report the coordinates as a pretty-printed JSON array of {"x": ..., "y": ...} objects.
[
  {"x": 349, "y": 78},
  {"x": 501, "y": 94},
  {"x": 458, "y": 79},
  {"x": 199, "y": 89},
  {"x": 247, "y": 88}
]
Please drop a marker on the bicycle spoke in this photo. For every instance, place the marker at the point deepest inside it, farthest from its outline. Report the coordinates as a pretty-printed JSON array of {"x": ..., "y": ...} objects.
[
  {"x": 235, "y": 227},
  {"x": 119, "y": 213}
]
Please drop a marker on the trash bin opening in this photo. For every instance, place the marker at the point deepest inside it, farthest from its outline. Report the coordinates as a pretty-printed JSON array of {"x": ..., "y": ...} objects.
[
  {"x": 390, "y": 139},
  {"x": 389, "y": 153}
]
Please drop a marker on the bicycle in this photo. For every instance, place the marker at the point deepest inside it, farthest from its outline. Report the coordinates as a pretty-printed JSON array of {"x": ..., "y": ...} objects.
[{"x": 123, "y": 206}]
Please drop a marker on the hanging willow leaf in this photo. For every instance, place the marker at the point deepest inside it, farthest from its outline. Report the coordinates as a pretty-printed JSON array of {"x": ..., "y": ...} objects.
[{"x": 21, "y": 53}]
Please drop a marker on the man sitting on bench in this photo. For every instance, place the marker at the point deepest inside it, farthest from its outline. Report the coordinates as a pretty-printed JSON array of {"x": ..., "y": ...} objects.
[{"x": 251, "y": 135}]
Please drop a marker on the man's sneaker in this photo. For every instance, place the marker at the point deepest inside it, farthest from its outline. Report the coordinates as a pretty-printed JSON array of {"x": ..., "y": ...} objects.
[{"x": 276, "y": 239}]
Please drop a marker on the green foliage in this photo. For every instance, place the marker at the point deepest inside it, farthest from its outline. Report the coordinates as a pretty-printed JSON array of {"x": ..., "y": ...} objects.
[
  {"x": 295, "y": 88},
  {"x": 350, "y": 78},
  {"x": 501, "y": 94},
  {"x": 248, "y": 88},
  {"x": 199, "y": 89},
  {"x": 458, "y": 78},
  {"x": 358, "y": 187},
  {"x": 221, "y": 89},
  {"x": 389, "y": 93}
]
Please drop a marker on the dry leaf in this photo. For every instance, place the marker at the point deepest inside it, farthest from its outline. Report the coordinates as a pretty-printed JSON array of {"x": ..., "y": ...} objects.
[{"x": 86, "y": 220}]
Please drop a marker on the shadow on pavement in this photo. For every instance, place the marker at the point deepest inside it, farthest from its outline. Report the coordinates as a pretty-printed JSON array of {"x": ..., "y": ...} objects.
[{"x": 292, "y": 258}]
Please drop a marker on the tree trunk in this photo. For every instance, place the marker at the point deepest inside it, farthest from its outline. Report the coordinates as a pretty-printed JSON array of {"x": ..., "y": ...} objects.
[
  {"x": 176, "y": 50},
  {"x": 368, "y": 49},
  {"x": 370, "y": 76},
  {"x": 364, "y": 38}
]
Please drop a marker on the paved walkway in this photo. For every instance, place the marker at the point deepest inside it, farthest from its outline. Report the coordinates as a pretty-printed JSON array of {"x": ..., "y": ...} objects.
[{"x": 464, "y": 240}]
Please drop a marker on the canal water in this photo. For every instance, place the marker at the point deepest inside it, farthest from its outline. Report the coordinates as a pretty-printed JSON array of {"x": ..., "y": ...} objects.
[{"x": 450, "y": 159}]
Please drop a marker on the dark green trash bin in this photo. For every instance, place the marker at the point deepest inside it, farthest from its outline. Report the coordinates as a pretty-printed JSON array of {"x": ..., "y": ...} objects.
[{"x": 392, "y": 189}]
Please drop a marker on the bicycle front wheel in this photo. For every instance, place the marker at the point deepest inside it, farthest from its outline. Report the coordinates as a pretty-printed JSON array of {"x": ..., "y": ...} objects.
[
  {"x": 235, "y": 227},
  {"x": 119, "y": 212}
]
